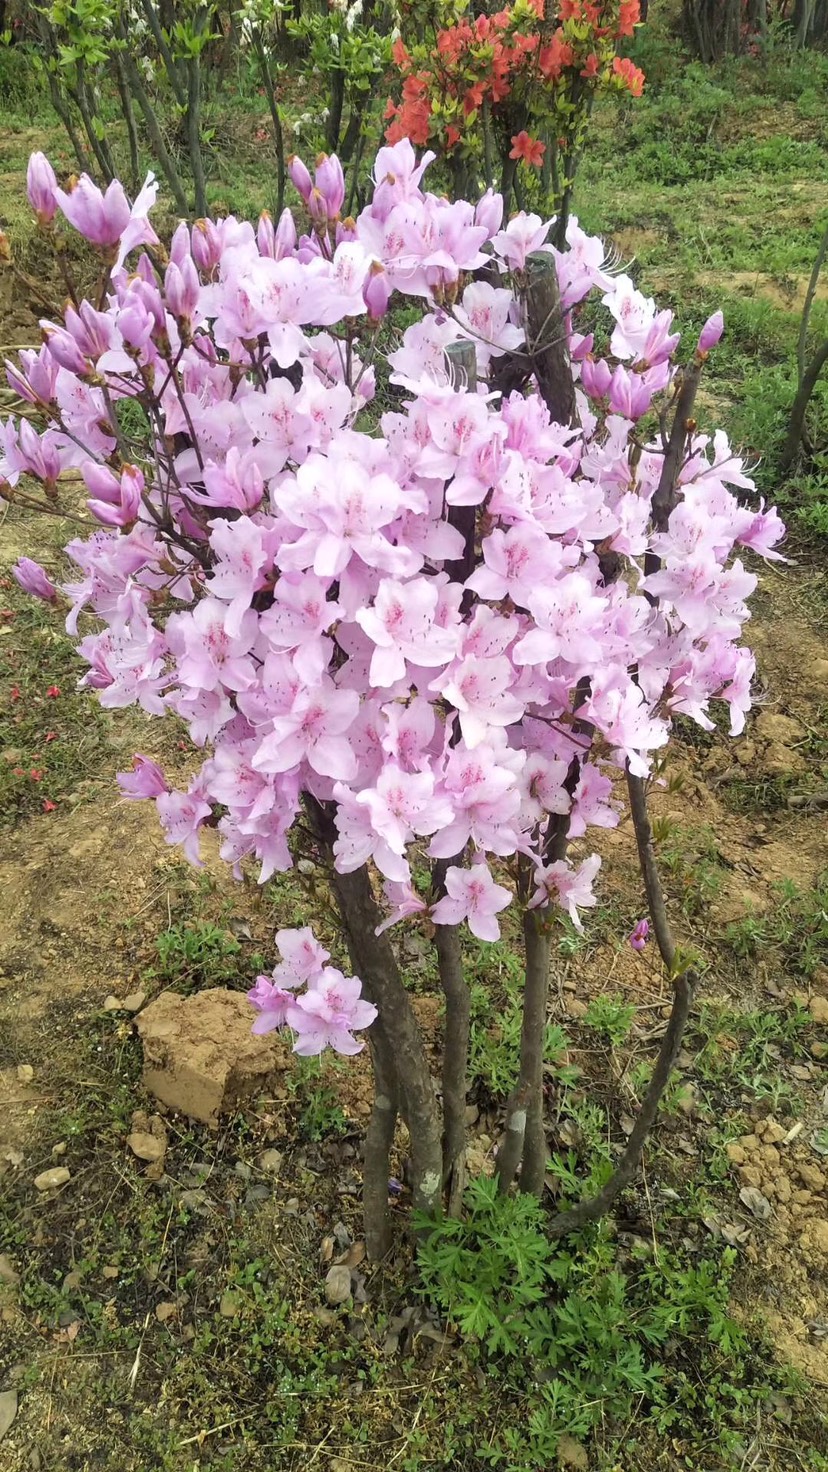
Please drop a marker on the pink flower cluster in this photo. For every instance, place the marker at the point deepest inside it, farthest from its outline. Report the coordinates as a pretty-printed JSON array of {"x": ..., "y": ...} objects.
[
  {"x": 329, "y": 1010},
  {"x": 402, "y": 616}
]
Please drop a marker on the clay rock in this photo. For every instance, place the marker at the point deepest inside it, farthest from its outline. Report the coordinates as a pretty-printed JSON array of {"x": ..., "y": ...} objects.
[
  {"x": 145, "y": 1146},
  {"x": 200, "y": 1057},
  {"x": 49, "y": 1180},
  {"x": 780, "y": 734},
  {"x": 819, "y": 1009}
]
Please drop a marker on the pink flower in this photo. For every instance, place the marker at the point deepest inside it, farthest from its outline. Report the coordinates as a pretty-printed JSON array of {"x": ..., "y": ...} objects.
[
  {"x": 566, "y": 886},
  {"x": 182, "y": 814},
  {"x": 328, "y": 1014},
  {"x": 710, "y": 333},
  {"x": 402, "y": 626},
  {"x": 271, "y": 1002},
  {"x": 639, "y": 935},
  {"x": 101, "y": 218},
  {"x": 34, "y": 580},
  {"x": 472, "y": 895},
  {"x": 41, "y": 186},
  {"x": 145, "y": 780}
]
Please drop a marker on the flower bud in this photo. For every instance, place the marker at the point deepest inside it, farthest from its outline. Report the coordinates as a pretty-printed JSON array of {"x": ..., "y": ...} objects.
[
  {"x": 181, "y": 289},
  {"x": 376, "y": 292},
  {"x": 489, "y": 212},
  {"x": 206, "y": 246},
  {"x": 266, "y": 236},
  {"x": 596, "y": 377},
  {"x": 638, "y": 938},
  {"x": 299, "y": 177},
  {"x": 40, "y": 188},
  {"x": 710, "y": 333},
  {"x": 64, "y": 349},
  {"x": 330, "y": 181},
  {"x": 34, "y": 580},
  {"x": 180, "y": 249},
  {"x": 285, "y": 238},
  {"x": 145, "y": 780}
]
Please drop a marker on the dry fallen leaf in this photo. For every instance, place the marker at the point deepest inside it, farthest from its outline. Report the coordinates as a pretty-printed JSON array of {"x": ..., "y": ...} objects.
[
  {"x": 353, "y": 1257},
  {"x": 756, "y": 1203}
]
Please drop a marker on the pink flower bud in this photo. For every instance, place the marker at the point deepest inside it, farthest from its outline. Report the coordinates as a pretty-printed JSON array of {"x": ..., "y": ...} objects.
[
  {"x": 206, "y": 246},
  {"x": 330, "y": 181},
  {"x": 638, "y": 938},
  {"x": 299, "y": 177},
  {"x": 596, "y": 377},
  {"x": 33, "y": 579},
  {"x": 266, "y": 236},
  {"x": 145, "y": 780},
  {"x": 65, "y": 351},
  {"x": 285, "y": 235},
  {"x": 317, "y": 207},
  {"x": 20, "y": 383},
  {"x": 180, "y": 250},
  {"x": 710, "y": 333},
  {"x": 377, "y": 291},
  {"x": 40, "y": 188},
  {"x": 114, "y": 502},
  {"x": 489, "y": 212},
  {"x": 182, "y": 288},
  {"x": 40, "y": 453}
]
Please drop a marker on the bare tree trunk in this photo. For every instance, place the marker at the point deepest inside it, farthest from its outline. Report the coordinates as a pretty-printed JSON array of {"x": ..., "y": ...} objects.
[
  {"x": 546, "y": 338},
  {"x": 129, "y": 115},
  {"x": 156, "y": 137},
  {"x": 276, "y": 119},
  {"x": 194, "y": 121},
  {"x": 796, "y": 424},
  {"x": 376, "y": 964}
]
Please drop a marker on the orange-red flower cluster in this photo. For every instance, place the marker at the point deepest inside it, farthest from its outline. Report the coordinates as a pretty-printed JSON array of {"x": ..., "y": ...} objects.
[{"x": 493, "y": 57}]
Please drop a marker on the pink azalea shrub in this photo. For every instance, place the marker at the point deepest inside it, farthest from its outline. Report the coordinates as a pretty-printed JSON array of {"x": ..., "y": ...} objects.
[{"x": 404, "y": 617}]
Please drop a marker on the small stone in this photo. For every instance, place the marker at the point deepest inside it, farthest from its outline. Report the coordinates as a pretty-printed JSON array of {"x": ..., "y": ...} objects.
[
  {"x": 774, "y": 1132},
  {"x": 338, "y": 1284},
  {"x": 770, "y": 1156},
  {"x": 819, "y": 1050},
  {"x": 271, "y": 1161},
  {"x": 59, "y": 1149},
  {"x": 750, "y": 1176},
  {"x": 735, "y": 1153},
  {"x": 229, "y": 1305},
  {"x": 134, "y": 1002},
  {"x": 687, "y": 1099},
  {"x": 165, "y": 1311},
  {"x": 784, "y": 1189},
  {"x": 8, "y": 1410},
  {"x": 71, "y": 1282},
  {"x": 146, "y": 1146},
  {"x": 574, "y": 1007},
  {"x": 8, "y": 1273},
  {"x": 812, "y": 1176},
  {"x": 25, "y": 1073},
  {"x": 818, "y": 672},
  {"x": 49, "y": 1180},
  {"x": 818, "y": 1008},
  {"x": 572, "y": 1454},
  {"x": 110, "y": 1271}
]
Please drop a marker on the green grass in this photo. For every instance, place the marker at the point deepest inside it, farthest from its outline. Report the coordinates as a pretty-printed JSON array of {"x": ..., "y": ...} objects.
[{"x": 53, "y": 736}]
